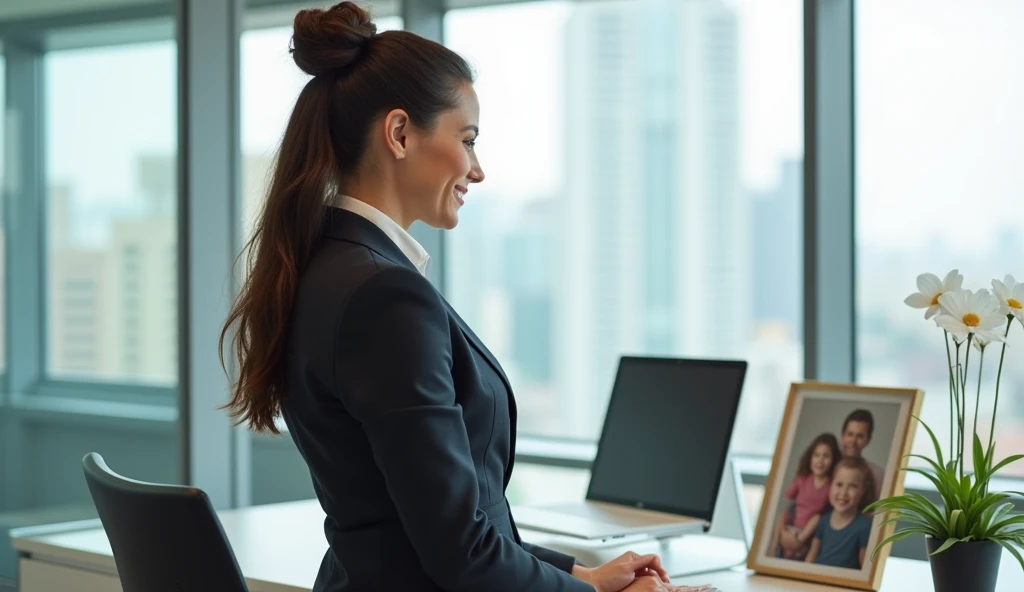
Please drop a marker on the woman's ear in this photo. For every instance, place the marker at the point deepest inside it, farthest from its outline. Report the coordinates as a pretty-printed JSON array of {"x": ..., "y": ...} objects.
[{"x": 396, "y": 130}]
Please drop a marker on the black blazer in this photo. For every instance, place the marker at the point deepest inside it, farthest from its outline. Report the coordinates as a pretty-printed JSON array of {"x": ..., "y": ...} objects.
[{"x": 407, "y": 424}]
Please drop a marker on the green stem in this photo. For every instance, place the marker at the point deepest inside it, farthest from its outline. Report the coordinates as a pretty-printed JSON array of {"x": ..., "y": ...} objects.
[
  {"x": 977, "y": 399},
  {"x": 999, "y": 375},
  {"x": 963, "y": 402},
  {"x": 952, "y": 394}
]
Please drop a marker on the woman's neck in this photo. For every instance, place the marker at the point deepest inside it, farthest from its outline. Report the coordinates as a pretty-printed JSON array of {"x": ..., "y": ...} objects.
[
  {"x": 820, "y": 480},
  {"x": 379, "y": 195}
]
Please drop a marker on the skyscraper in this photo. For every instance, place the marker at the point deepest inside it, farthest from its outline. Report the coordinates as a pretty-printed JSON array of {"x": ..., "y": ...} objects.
[{"x": 654, "y": 248}]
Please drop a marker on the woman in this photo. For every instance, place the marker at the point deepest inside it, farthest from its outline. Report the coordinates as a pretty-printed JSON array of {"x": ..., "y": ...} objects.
[{"x": 406, "y": 421}]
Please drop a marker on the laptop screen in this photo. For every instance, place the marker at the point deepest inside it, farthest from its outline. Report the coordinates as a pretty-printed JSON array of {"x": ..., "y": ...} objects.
[{"x": 666, "y": 434}]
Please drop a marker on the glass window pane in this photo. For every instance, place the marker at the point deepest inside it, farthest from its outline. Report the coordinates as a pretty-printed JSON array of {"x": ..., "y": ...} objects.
[
  {"x": 106, "y": 126},
  {"x": 643, "y": 196},
  {"x": 938, "y": 188},
  {"x": 111, "y": 207}
]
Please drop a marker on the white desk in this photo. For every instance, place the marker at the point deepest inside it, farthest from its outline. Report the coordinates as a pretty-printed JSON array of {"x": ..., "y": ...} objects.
[{"x": 279, "y": 548}]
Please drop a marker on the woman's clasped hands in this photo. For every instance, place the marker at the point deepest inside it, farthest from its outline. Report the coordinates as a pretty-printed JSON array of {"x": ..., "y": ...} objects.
[{"x": 631, "y": 572}]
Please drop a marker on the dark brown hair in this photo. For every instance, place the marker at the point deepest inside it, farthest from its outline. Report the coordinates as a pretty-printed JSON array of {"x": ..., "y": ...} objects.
[
  {"x": 358, "y": 75},
  {"x": 804, "y": 468},
  {"x": 857, "y": 463},
  {"x": 862, "y": 416}
]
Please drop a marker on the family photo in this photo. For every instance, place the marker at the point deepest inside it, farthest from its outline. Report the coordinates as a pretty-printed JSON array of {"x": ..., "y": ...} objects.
[{"x": 840, "y": 448}]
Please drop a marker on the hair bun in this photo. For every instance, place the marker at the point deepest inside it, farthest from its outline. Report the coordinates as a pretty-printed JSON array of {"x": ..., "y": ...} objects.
[{"x": 325, "y": 41}]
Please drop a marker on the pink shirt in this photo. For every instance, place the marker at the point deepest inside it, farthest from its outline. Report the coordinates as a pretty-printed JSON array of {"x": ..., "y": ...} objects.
[{"x": 809, "y": 500}]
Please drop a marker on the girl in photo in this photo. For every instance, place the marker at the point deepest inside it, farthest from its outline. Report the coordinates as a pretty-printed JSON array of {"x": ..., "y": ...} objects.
[
  {"x": 809, "y": 491},
  {"x": 841, "y": 538}
]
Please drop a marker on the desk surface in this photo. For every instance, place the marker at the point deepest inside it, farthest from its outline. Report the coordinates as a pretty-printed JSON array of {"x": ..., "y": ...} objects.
[{"x": 279, "y": 548}]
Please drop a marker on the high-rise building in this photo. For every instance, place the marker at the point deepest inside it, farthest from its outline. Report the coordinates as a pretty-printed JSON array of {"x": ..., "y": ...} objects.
[
  {"x": 143, "y": 307},
  {"x": 777, "y": 232},
  {"x": 79, "y": 322},
  {"x": 655, "y": 242}
]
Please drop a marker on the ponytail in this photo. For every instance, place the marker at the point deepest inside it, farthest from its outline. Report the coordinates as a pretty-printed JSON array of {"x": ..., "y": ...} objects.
[{"x": 283, "y": 239}]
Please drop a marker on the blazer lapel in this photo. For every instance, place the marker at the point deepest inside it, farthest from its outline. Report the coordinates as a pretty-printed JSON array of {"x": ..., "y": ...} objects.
[{"x": 512, "y": 412}]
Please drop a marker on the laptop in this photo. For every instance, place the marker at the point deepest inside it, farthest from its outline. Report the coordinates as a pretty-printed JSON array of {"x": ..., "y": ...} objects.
[{"x": 661, "y": 455}]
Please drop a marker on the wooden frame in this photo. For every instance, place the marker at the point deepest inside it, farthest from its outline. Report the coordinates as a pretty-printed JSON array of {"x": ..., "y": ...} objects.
[{"x": 814, "y": 412}]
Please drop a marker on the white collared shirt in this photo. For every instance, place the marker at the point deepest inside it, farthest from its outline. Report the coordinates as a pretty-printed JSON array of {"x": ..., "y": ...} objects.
[{"x": 405, "y": 242}]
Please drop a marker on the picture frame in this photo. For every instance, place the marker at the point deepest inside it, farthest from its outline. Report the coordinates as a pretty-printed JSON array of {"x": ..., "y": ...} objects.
[{"x": 811, "y": 526}]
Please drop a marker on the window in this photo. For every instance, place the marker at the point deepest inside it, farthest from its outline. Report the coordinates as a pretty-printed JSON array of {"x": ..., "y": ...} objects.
[
  {"x": 643, "y": 196},
  {"x": 938, "y": 188},
  {"x": 111, "y": 206}
]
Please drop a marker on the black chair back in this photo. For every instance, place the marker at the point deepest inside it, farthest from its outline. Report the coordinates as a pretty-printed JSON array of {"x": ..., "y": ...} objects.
[{"x": 165, "y": 538}]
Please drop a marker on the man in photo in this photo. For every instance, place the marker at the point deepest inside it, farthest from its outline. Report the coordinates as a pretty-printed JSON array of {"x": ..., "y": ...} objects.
[{"x": 856, "y": 435}]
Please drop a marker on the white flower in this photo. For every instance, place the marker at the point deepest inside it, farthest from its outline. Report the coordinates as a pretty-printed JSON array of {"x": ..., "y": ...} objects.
[
  {"x": 930, "y": 288},
  {"x": 1011, "y": 296},
  {"x": 965, "y": 312}
]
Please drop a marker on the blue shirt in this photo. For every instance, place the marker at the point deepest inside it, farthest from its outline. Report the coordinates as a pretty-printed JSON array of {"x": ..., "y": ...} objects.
[{"x": 841, "y": 548}]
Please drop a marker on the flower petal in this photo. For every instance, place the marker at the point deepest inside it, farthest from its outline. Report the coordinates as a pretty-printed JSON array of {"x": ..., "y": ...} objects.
[
  {"x": 929, "y": 284},
  {"x": 1000, "y": 290},
  {"x": 953, "y": 281},
  {"x": 991, "y": 322},
  {"x": 918, "y": 300},
  {"x": 932, "y": 311},
  {"x": 989, "y": 336},
  {"x": 950, "y": 323},
  {"x": 951, "y": 303}
]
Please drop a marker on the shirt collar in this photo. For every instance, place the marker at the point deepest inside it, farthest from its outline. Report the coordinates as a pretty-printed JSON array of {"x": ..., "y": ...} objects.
[{"x": 402, "y": 239}]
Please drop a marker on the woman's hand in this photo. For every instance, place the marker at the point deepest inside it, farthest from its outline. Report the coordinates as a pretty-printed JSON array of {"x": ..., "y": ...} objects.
[
  {"x": 619, "y": 573},
  {"x": 654, "y": 584}
]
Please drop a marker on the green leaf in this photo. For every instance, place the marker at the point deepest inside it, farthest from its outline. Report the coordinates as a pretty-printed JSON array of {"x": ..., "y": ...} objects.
[
  {"x": 1006, "y": 461},
  {"x": 979, "y": 460},
  {"x": 956, "y": 518},
  {"x": 1004, "y": 524},
  {"x": 924, "y": 506},
  {"x": 896, "y": 537},
  {"x": 935, "y": 480},
  {"x": 931, "y": 434},
  {"x": 911, "y": 520},
  {"x": 1009, "y": 547},
  {"x": 993, "y": 516},
  {"x": 937, "y": 467},
  {"x": 945, "y": 545}
]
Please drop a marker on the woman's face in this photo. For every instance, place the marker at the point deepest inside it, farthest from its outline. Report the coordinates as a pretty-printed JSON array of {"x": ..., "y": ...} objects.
[{"x": 441, "y": 164}]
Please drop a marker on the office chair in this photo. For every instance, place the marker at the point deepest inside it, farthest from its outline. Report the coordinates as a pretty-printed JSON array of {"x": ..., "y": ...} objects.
[{"x": 165, "y": 538}]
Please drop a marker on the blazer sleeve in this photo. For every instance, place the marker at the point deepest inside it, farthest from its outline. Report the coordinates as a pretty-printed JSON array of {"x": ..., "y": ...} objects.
[
  {"x": 560, "y": 560},
  {"x": 392, "y": 365}
]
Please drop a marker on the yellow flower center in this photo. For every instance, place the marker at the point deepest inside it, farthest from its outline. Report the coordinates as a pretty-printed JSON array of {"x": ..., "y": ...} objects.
[
  {"x": 935, "y": 301},
  {"x": 972, "y": 320},
  {"x": 1014, "y": 303}
]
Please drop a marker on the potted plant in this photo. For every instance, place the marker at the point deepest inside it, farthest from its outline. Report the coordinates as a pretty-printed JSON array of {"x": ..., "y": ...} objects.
[{"x": 967, "y": 533}]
